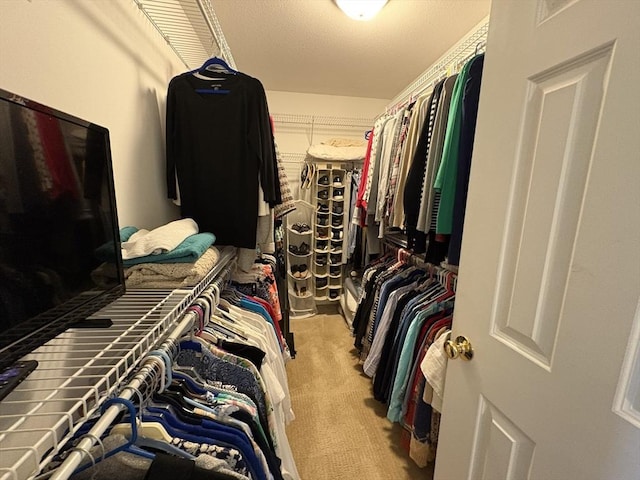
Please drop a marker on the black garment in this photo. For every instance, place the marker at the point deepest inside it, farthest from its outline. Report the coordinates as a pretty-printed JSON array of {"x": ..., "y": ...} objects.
[
  {"x": 168, "y": 467},
  {"x": 220, "y": 146},
  {"x": 415, "y": 177},
  {"x": 361, "y": 318},
  {"x": 470, "y": 100},
  {"x": 248, "y": 352},
  {"x": 273, "y": 461},
  {"x": 437, "y": 246}
]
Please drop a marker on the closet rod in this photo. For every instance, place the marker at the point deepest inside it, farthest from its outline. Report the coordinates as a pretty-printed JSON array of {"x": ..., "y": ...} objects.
[
  {"x": 144, "y": 377},
  {"x": 72, "y": 462},
  {"x": 216, "y": 30},
  {"x": 461, "y": 51}
]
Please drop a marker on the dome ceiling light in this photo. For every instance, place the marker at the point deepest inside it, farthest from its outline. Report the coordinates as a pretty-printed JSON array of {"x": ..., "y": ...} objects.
[{"x": 361, "y": 9}]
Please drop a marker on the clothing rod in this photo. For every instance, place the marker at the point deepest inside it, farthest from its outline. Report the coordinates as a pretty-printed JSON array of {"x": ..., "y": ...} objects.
[
  {"x": 72, "y": 462},
  {"x": 220, "y": 273},
  {"x": 216, "y": 30}
]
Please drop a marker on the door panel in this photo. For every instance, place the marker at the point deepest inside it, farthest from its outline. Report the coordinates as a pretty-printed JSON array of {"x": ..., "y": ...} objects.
[
  {"x": 560, "y": 118},
  {"x": 549, "y": 281},
  {"x": 500, "y": 448}
]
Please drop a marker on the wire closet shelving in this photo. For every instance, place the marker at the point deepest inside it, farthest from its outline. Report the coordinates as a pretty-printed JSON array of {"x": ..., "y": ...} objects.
[
  {"x": 190, "y": 28},
  {"x": 469, "y": 45},
  {"x": 81, "y": 368}
]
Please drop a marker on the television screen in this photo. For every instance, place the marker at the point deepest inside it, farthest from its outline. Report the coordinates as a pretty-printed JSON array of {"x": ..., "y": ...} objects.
[{"x": 57, "y": 221}]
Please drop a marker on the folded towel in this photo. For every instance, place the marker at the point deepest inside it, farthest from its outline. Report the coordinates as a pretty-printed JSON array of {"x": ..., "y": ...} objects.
[
  {"x": 159, "y": 240},
  {"x": 126, "y": 232},
  {"x": 171, "y": 275},
  {"x": 190, "y": 250}
]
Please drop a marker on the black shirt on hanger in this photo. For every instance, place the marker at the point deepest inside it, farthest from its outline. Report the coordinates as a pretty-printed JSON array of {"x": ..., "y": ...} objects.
[{"x": 220, "y": 149}]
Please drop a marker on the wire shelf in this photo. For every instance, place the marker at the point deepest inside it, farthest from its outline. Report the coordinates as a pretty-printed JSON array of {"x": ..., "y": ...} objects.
[
  {"x": 324, "y": 121},
  {"x": 457, "y": 54},
  {"x": 81, "y": 368},
  {"x": 190, "y": 28}
]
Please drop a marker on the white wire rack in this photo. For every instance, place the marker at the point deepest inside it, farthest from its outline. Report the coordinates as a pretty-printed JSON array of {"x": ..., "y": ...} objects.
[
  {"x": 323, "y": 121},
  {"x": 80, "y": 369},
  {"x": 461, "y": 51},
  {"x": 293, "y": 158},
  {"x": 190, "y": 28}
]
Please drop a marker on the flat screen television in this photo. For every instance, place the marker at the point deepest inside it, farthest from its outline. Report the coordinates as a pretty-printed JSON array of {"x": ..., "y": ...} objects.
[{"x": 57, "y": 221}]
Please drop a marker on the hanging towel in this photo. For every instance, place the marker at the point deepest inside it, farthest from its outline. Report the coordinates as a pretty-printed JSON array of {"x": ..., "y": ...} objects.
[
  {"x": 434, "y": 368},
  {"x": 158, "y": 240}
]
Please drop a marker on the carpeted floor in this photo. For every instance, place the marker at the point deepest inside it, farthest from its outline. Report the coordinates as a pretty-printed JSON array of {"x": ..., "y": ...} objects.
[{"x": 340, "y": 431}]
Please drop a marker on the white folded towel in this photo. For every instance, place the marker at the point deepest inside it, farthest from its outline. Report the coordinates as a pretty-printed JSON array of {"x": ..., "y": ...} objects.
[{"x": 159, "y": 240}]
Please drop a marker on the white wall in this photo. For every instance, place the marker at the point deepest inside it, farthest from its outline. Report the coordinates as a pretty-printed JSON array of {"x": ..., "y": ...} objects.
[
  {"x": 296, "y": 139},
  {"x": 102, "y": 61}
]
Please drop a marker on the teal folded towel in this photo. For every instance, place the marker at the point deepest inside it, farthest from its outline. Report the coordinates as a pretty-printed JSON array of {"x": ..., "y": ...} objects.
[{"x": 190, "y": 250}]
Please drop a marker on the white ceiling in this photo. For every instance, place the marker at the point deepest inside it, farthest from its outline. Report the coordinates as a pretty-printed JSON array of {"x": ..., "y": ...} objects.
[{"x": 310, "y": 46}]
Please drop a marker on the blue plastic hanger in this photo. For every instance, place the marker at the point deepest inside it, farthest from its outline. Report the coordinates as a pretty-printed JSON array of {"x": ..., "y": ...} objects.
[
  {"x": 128, "y": 447},
  {"x": 208, "y": 70},
  {"x": 216, "y": 65}
]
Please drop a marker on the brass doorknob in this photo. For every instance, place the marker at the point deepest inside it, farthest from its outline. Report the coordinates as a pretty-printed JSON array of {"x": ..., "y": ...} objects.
[{"x": 460, "y": 347}]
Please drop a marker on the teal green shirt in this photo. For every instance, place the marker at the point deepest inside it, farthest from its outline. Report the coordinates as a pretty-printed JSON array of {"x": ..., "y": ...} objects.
[{"x": 445, "y": 182}]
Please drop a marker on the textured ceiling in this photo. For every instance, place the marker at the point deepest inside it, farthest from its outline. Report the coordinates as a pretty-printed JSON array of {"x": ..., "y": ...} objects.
[{"x": 310, "y": 46}]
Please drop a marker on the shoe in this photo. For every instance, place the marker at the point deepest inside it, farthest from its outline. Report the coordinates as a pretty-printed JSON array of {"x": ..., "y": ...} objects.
[
  {"x": 303, "y": 249},
  {"x": 324, "y": 180},
  {"x": 336, "y": 222},
  {"x": 336, "y": 235},
  {"x": 334, "y": 270},
  {"x": 321, "y": 282},
  {"x": 299, "y": 271},
  {"x": 323, "y": 221},
  {"x": 301, "y": 227},
  {"x": 333, "y": 294},
  {"x": 322, "y": 208},
  {"x": 322, "y": 245},
  {"x": 335, "y": 259},
  {"x": 321, "y": 261},
  {"x": 337, "y": 210},
  {"x": 303, "y": 290},
  {"x": 323, "y": 194},
  {"x": 338, "y": 194},
  {"x": 293, "y": 249},
  {"x": 337, "y": 181},
  {"x": 323, "y": 233}
]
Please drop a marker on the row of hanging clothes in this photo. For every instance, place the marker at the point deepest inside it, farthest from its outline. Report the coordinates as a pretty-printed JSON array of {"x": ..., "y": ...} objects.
[
  {"x": 402, "y": 320},
  {"x": 416, "y": 171},
  {"x": 213, "y": 405}
]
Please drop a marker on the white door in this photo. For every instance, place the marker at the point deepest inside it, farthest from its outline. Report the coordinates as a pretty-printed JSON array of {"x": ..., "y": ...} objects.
[{"x": 550, "y": 271}]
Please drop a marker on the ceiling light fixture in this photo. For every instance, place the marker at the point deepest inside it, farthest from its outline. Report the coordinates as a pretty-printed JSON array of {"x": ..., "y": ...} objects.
[{"x": 361, "y": 9}]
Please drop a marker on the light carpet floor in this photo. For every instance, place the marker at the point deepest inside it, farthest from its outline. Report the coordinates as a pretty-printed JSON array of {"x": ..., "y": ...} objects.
[{"x": 340, "y": 431}]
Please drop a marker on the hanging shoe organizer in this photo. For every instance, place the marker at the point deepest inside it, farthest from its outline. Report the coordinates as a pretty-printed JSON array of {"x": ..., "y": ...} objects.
[{"x": 299, "y": 236}]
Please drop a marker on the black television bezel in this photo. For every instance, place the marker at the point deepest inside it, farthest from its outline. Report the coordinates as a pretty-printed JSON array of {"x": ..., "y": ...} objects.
[{"x": 40, "y": 329}]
